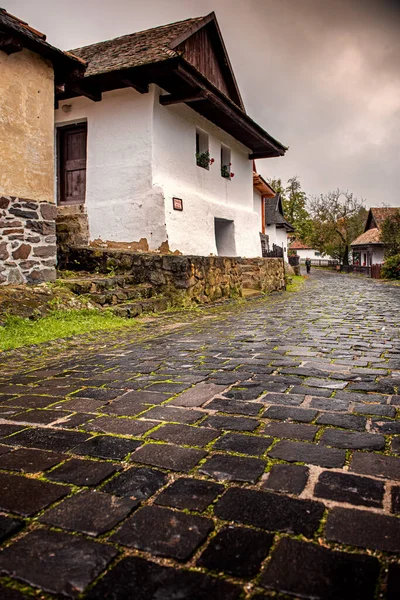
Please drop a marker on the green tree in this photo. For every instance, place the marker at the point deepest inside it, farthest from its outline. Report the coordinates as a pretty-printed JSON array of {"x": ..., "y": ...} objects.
[
  {"x": 294, "y": 201},
  {"x": 338, "y": 218},
  {"x": 390, "y": 234}
]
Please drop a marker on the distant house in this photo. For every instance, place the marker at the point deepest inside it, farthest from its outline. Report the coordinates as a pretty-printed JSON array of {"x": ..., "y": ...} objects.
[
  {"x": 155, "y": 147},
  {"x": 30, "y": 68},
  {"x": 306, "y": 251},
  {"x": 368, "y": 249},
  {"x": 277, "y": 227}
]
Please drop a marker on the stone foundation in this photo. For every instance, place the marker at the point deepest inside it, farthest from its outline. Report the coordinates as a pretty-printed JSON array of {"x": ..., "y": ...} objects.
[
  {"x": 72, "y": 230},
  {"x": 28, "y": 251},
  {"x": 183, "y": 280}
]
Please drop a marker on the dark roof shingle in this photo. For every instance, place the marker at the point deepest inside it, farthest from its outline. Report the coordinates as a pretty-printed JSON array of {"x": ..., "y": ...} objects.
[
  {"x": 135, "y": 49},
  {"x": 274, "y": 212}
]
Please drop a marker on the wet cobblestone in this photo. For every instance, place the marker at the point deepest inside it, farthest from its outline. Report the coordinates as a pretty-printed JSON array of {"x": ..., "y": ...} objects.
[{"x": 241, "y": 451}]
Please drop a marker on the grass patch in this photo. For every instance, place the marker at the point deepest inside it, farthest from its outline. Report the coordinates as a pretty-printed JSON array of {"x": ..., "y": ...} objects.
[
  {"x": 58, "y": 324},
  {"x": 296, "y": 283}
]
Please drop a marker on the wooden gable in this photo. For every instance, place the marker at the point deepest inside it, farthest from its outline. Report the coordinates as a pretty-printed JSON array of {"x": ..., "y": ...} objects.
[{"x": 205, "y": 50}]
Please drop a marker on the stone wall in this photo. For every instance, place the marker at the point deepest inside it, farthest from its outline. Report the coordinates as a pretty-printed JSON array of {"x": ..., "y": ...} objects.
[
  {"x": 183, "y": 280},
  {"x": 264, "y": 274},
  {"x": 72, "y": 230},
  {"x": 27, "y": 241}
]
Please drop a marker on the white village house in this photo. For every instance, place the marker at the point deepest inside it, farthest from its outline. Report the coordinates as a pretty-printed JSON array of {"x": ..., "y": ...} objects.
[
  {"x": 273, "y": 225},
  {"x": 154, "y": 144},
  {"x": 368, "y": 249},
  {"x": 303, "y": 251}
]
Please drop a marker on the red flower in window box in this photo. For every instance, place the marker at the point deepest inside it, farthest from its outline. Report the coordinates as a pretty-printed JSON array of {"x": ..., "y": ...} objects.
[{"x": 232, "y": 175}]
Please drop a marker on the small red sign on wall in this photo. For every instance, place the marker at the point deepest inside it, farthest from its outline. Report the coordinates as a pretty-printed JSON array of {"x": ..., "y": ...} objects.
[{"x": 177, "y": 203}]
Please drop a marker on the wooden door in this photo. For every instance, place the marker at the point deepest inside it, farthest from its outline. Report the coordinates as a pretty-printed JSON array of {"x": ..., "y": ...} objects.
[{"x": 72, "y": 164}]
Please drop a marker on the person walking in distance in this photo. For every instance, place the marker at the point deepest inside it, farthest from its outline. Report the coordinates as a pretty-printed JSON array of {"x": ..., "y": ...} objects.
[{"x": 308, "y": 265}]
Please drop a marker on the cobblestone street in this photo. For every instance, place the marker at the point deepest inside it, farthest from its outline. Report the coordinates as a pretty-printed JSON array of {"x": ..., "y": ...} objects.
[{"x": 244, "y": 451}]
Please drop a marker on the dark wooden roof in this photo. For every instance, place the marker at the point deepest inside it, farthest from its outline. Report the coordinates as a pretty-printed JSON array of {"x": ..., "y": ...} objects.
[
  {"x": 136, "y": 49},
  {"x": 376, "y": 216},
  {"x": 16, "y": 34},
  {"x": 188, "y": 60},
  {"x": 274, "y": 213}
]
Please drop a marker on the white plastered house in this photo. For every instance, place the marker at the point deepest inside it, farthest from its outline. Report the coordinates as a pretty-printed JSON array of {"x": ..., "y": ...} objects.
[{"x": 137, "y": 134}]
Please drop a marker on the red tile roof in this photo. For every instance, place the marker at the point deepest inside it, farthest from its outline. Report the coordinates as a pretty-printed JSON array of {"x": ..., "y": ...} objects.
[{"x": 299, "y": 245}]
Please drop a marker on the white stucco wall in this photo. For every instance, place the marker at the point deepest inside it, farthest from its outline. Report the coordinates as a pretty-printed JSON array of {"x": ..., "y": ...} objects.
[
  {"x": 205, "y": 194},
  {"x": 378, "y": 256},
  {"x": 313, "y": 254},
  {"x": 141, "y": 154},
  {"x": 121, "y": 201},
  {"x": 257, "y": 207}
]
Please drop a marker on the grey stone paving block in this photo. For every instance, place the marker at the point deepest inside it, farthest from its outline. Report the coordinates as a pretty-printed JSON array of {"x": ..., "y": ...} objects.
[
  {"x": 375, "y": 409},
  {"x": 26, "y": 497},
  {"x": 284, "y": 399},
  {"x": 243, "y": 444},
  {"x": 325, "y": 383},
  {"x": 198, "y": 395},
  {"x": 108, "y": 447},
  {"x": 344, "y": 487},
  {"x": 308, "y": 453},
  {"x": 119, "y": 425},
  {"x": 98, "y": 394},
  {"x": 304, "y": 390},
  {"x": 238, "y": 407},
  {"x": 352, "y": 439},
  {"x": 170, "y": 388},
  {"x": 233, "y": 468},
  {"x": 85, "y": 405},
  {"x": 283, "y": 413},
  {"x": 345, "y": 421},
  {"x": 168, "y": 456},
  {"x": 92, "y": 513},
  {"x": 30, "y": 460},
  {"x": 82, "y": 472},
  {"x": 329, "y": 404},
  {"x": 58, "y": 563},
  {"x": 291, "y": 430},
  {"x": 164, "y": 532},
  {"x": 136, "y": 483},
  {"x": 48, "y": 439},
  {"x": 377, "y": 465},
  {"x": 192, "y": 494},
  {"x": 30, "y": 401},
  {"x": 385, "y": 426},
  {"x": 135, "y": 577},
  {"x": 287, "y": 478},
  {"x": 9, "y": 526},
  {"x": 237, "y": 551},
  {"x": 359, "y": 397},
  {"x": 185, "y": 434},
  {"x": 310, "y": 571},
  {"x": 272, "y": 512},
  {"x": 364, "y": 529},
  {"x": 39, "y": 417},
  {"x": 230, "y": 423},
  {"x": 173, "y": 414}
]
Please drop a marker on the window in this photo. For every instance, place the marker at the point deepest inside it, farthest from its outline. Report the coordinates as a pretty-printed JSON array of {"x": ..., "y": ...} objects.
[
  {"x": 202, "y": 149},
  {"x": 317, "y": 253},
  {"x": 225, "y": 162}
]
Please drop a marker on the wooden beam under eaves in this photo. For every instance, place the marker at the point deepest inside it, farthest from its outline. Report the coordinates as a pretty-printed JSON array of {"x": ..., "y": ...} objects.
[
  {"x": 10, "y": 45},
  {"x": 271, "y": 154},
  {"x": 182, "y": 98},
  {"x": 139, "y": 86},
  {"x": 92, "y": 94}
]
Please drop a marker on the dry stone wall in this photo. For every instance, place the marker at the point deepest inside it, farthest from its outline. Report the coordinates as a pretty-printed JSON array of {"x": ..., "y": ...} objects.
[
  {"x": 183, "y": 280},
  {"x": 28, "y": 251}
]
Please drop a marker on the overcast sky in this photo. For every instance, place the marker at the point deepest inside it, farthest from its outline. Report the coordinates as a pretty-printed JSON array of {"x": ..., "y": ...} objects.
[{"x": 322, "y": 76}]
